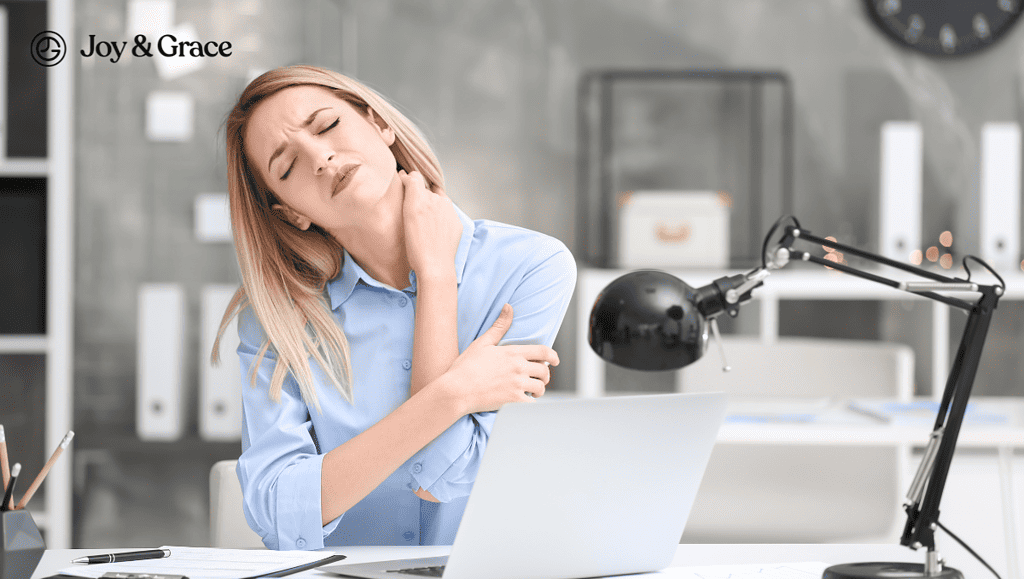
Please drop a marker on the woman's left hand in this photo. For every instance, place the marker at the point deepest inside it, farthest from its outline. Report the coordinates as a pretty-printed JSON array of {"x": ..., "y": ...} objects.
[{"x": 432, "y": 228}]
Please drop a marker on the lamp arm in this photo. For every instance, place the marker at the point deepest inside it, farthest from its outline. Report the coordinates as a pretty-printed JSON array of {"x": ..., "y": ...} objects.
[
  {"x": 950, "y": 284},
  {"x": 792, "y": 233},
  {"x": 922, "y": 506},
  {"x": 922, "y": 520}
]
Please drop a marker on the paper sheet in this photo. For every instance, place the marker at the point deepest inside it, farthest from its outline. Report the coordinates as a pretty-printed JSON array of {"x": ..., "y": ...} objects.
[{"x": 205, "y": 563}]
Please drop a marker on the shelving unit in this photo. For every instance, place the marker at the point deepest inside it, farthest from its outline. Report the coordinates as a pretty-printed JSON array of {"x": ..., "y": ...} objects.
[{"x": 52, "y": 508}]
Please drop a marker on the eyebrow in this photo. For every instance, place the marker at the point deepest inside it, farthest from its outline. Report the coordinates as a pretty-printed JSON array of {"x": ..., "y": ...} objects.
[{"x": 277, "y": 152}]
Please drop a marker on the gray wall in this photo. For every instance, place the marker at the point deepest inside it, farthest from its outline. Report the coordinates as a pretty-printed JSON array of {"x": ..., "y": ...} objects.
[{"x": 493, "y": 85}]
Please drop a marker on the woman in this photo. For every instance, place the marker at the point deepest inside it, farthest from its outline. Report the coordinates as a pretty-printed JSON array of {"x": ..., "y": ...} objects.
[{"x": 361, "y": 285}]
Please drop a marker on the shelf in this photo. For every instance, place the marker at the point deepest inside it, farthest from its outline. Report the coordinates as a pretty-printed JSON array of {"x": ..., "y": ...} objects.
[
  {"x": 23, "y": 344},
  {"x": 192, "y": 446},
  {"x": 27, "y": 167}
]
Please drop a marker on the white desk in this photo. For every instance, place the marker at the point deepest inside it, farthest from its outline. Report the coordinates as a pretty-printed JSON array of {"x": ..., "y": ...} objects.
[{"x": 686, "y": 555}]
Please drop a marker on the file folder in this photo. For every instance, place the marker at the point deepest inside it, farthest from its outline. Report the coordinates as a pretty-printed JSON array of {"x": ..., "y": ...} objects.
[
  {"x": 220, "y": 386},
  {"x": 160, "y": 388},
  {"x": 900, "y": 190},
  {"x": 1000, "y": 195}
]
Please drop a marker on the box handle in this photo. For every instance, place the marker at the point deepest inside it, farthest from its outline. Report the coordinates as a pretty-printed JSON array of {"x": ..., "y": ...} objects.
[{"x": 676, "y": 234}]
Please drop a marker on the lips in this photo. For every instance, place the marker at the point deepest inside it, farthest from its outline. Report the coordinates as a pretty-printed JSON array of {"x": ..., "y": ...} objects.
[{"x": 343, "y": 178}]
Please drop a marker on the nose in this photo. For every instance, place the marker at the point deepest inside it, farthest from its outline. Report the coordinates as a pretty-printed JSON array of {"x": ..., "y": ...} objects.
[
  {"x": 323, "y": 160},
  {"x": 320, "y": 153}
]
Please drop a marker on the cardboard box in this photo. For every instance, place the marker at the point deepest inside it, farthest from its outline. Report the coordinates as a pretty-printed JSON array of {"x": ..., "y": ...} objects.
[{"x": 674, "y": 229}]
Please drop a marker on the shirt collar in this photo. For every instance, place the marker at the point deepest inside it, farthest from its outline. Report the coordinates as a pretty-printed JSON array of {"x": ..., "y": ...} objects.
[{"x": 340, "y": 288}]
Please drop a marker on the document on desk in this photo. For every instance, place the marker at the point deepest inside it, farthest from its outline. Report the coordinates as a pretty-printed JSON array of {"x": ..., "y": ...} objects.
[
  {"x": 805, "y": 570},
  {"x": 923, "y": 412},
  {"x": 787, "y": 410},
  {"x": 208, "y": 563}
]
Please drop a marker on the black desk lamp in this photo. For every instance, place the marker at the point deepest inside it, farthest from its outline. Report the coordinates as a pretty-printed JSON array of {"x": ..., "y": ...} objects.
[{"x": 650, "y": 320}]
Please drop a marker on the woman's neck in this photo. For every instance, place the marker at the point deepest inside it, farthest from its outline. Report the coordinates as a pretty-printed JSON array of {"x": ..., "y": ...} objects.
[{"x": 378, "y": 243}]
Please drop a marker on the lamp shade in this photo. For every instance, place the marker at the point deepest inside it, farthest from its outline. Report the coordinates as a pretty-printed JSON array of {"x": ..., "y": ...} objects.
[{"x": 648, "y": 320}]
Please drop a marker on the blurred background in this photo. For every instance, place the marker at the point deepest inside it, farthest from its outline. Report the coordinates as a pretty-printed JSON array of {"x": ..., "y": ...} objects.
[{"x": 509, "y": 94}]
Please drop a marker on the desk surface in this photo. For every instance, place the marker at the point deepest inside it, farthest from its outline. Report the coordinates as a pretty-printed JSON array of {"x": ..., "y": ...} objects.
[
  {"x": 687, "y": 555},
  {"x": 833, "y": 428},
  {"x": 835, "y": 425}
]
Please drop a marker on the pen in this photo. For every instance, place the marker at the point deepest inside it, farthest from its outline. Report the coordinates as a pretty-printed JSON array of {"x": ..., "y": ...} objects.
[
  {"x": 876, "y": 416},
  {"x": 121, "y": 557},
  {"x": 5, "y": 465},
  {"x": 46, "y": 468},
  {"x": 9, "y": 493}
]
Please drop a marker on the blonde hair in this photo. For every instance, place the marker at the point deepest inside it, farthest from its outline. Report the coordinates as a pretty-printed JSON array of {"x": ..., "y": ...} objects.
[{"x": 284, "y": 269}]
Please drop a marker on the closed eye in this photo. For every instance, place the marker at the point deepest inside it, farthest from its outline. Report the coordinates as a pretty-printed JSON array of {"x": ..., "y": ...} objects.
[
  {"x": 332, "y": 125},
  {"x": 329, "y": 127}
]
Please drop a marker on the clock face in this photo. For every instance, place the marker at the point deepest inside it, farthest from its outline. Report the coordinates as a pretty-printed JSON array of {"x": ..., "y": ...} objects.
[{"x": 945, "y": 27}]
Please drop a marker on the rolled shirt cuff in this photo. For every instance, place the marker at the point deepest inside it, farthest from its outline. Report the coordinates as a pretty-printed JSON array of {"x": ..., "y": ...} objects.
[
  {"x": 447, "y": 466},
  {"x": 298, "y": 506}
]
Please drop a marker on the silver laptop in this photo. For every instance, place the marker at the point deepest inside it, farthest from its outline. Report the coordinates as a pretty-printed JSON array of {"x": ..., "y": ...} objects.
[{"x": 577, "y": 488}]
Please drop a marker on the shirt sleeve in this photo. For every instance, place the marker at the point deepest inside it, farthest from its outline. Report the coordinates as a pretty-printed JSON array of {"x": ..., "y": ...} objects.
[
  {"x": 280, "y": 465},
  {"x": 448, "y": 465}
]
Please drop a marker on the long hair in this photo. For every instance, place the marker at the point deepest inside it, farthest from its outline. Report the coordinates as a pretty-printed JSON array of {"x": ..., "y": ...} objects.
[{"x": 284, "y": 269}]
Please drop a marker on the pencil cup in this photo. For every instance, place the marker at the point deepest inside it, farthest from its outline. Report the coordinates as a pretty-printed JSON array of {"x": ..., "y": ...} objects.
[{"x": 21, "y": 545}]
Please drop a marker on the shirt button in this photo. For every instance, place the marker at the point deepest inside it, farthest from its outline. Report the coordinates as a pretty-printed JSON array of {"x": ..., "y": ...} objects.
[
  {"x": 409, "y": 535},
  {"x": 403, "y": 301},
  {"x": 407, "y": 364},
  {"x": 300, "y": 543},
  {"x": 417, "y": 468}
]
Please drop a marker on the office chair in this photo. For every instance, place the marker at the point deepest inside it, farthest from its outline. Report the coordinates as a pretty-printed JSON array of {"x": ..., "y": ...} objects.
[
  {"x": 808, "y": 493},
  {"x": 228, "y": 528}
]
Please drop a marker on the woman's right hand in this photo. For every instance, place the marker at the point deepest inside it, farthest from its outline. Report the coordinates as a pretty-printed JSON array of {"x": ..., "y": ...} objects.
[
  {"x": 486, "y": 376},
  {"x": 432, "y": 228}
]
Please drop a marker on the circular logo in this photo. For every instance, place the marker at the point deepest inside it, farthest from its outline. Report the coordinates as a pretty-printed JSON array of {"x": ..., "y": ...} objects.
[{"x": 48, "y": 48}]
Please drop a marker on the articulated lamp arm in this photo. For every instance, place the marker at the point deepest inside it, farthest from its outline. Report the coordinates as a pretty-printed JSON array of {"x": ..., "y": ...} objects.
[{"x": 925, "y": 493}]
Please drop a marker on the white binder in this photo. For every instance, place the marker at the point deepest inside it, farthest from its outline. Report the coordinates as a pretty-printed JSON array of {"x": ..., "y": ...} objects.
[
  {"x": 899, "y": 215},
  {"x": 999, "y": 205},
  {"x": 220, "y": 386},
  {"x": 160, "y": 388}
]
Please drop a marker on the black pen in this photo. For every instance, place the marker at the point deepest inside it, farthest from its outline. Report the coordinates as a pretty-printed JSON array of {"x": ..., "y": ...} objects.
[
  {"x": 121, "y": 557},
  {"x": 9, "y": 492}
]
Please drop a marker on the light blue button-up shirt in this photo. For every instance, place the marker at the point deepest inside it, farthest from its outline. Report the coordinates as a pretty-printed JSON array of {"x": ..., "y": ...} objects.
[{"x": 283, "y": 443}]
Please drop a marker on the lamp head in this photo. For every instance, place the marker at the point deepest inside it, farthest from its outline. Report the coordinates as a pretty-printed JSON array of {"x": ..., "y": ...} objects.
[{"x": 648, "y": 320}]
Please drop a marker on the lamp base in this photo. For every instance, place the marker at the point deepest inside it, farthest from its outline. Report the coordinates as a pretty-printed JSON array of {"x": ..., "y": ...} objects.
[{"x": 885, "y": 570}]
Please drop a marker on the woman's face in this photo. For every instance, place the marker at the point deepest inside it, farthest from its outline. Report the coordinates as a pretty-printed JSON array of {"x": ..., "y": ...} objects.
[{"x": 326, "y": 161}]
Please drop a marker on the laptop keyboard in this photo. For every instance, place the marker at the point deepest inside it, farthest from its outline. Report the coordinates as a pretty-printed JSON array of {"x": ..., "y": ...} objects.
[{"x": 435, "y": 571}]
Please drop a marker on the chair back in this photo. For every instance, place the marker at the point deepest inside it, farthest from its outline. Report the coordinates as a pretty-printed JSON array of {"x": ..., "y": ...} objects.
[
  {"x": 804, "y": 368},
  {"x": 802, "y": 493},
  {"x": 228, "y": 527}
]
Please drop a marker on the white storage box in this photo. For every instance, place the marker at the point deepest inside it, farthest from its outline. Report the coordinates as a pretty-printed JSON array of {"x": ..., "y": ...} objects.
[{"x": 674, "y": 229}]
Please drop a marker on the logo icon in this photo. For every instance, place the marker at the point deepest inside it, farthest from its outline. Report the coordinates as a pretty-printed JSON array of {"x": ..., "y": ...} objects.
[{"x": 48, "y": 48}]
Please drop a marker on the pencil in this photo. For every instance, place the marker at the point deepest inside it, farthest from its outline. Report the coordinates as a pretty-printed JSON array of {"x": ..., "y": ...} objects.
[
  {"x": 4, "y": 461},
  {"x": 46, "y": 468},
  {"x": 9, "y": 491}
]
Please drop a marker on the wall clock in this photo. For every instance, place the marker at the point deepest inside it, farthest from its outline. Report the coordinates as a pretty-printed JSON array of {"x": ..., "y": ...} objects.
[{"x": 945, "y": 27}]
